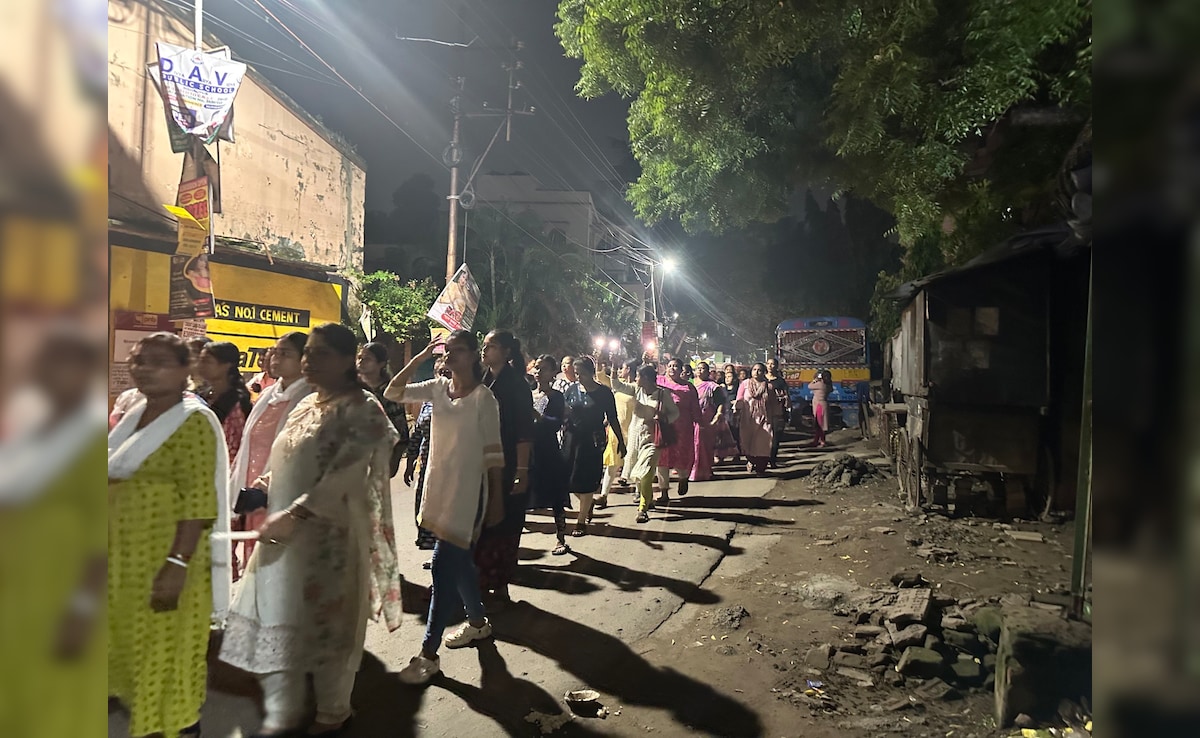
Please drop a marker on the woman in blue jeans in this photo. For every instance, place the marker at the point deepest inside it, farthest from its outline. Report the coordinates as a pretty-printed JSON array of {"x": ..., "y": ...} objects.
[{"x": 462, "y": 491}]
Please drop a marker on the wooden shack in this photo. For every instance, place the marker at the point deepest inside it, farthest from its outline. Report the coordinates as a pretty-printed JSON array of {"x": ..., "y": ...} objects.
[{"x": 988, "y": 362}]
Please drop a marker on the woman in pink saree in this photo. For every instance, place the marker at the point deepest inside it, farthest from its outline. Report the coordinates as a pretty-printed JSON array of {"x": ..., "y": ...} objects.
[
  {"x": 758, "y": 412},
  {"x": 682, "y": 455},
  {"x": 712, "y": 411}
]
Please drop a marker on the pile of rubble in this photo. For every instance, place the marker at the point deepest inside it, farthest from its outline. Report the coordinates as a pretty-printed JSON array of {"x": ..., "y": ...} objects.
[
  {"x": 844, "y": 470},
  {"x": 937, "y": 648},
  {"x": 912, "y": 633}
]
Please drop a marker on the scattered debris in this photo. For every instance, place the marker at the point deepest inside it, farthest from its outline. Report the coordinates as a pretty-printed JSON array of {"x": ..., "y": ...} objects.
[
  {"x": 883, "y": 530},
  {"x": 825, "y": 592},
  {"x": 1026, "y": 535},
  {"x": 729, "y": 618},
  {"x": 844, "y": 470}
]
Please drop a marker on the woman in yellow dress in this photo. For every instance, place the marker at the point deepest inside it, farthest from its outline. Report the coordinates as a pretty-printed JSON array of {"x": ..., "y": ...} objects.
[
  {"x": 52, "y": 555},
  {"x": 167, "y": 467}
]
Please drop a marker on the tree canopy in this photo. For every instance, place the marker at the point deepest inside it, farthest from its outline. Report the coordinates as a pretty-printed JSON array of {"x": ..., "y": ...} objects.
[{"x": 736, "y": 103}]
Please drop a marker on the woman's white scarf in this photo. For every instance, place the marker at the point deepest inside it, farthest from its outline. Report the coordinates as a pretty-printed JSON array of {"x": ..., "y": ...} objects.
[
  {"x": 273, "y": 395},
  {"x": 128, "y": 449},
  {"x": 38, "y": 456}
]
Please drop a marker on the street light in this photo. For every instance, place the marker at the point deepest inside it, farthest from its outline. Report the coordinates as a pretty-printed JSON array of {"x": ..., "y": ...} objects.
[
  {"x": 598, "y": 342},
  {"x": 669, "y": 264},
  {"x": 614, "y": 344}
]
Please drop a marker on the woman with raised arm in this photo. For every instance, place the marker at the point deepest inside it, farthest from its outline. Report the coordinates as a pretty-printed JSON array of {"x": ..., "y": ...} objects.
[{"x": 463, "y": 488}]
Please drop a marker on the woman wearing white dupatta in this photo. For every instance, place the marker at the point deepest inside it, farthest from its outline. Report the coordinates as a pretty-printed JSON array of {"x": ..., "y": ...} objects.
[
  {"x": 264, "y": 425},
  {"x": 167, "y": 470},
  {"x": 326, "y": 560}
]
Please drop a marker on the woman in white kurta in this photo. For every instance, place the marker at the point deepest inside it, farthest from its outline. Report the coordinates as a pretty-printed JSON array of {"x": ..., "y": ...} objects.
[
  {"x": 641, "y": 458},
  {"x": 462, "y": 489},
  {"x": 326, "y": 560}
]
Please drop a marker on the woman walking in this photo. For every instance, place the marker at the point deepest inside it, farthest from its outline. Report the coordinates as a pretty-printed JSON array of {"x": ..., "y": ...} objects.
[
  {"x": 466, "y": 459},
  {"x": 730, "y": 386},
  {"x": 496, "y": 554},
  {"x": 589, "y": 404},
  {"x": 373, "y": 372},
  {"x": 167, "y": 470},
  {"x": 652, "y": 404},
  {"x": 779, "y": 386},
  {"x": 225, "y": 391},
  {"x": 820, "y": 387},
  {"x": 712, "y": 411},
  {"x": 327, "y": 562},
  {"x": 265, "y": 423},
  {"x": 614, "y": 462},
  {"x": 682, "y": 455},
  {"x": 548, "y": 483},
  {"x": 758, "y": 412},
  {"x": 418, "y": 452}
]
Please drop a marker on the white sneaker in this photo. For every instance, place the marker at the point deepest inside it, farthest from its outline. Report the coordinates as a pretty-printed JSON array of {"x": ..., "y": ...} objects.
[
  {"x": 420, "y": 670},
  {"x": 468, "y": 633}
]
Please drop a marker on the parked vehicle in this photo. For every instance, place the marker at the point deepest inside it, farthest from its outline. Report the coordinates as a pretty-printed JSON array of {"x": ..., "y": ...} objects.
[{"x": 807, "y": 345}]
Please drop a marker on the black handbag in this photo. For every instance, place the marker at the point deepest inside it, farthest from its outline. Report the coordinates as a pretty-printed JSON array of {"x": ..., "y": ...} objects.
[{"x": 249, "y": 500}]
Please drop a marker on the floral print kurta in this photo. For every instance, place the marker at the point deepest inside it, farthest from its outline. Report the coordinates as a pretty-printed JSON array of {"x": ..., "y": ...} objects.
[{"x": 303, "y": 605}]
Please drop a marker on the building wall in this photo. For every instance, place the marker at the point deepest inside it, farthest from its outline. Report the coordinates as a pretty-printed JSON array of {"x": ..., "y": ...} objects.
[
  {"x": 285, "y": 182},
  {"x": 569, "y": 211}
]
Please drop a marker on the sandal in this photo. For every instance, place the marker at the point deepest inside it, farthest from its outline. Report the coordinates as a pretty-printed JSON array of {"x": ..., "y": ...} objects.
[
  {"x": 580, "y": 531},
  {"x": 643, "y": 517},
  {"x": 561, "y": 549},
  {"x": 683, "y": 487},
  {"x": 601, "y": 503}
]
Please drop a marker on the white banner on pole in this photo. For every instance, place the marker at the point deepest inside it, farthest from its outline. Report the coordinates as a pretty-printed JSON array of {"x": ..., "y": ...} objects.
[{"x": 199, "y": 87}]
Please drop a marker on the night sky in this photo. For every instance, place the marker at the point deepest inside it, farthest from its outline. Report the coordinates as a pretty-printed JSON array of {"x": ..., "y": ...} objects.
[{"x": 567, "y": 142}]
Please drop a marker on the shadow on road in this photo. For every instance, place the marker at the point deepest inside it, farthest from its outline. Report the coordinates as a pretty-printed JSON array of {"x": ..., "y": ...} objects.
[
  {"x": 629, "y": 580},
  {"x": 749, "y": 503},
  {"x": 603, "y": 662},
  {"x": 649, "y": 536},
  {"x": 383, "y": 705},
  {"x": 507, "y": 699}
]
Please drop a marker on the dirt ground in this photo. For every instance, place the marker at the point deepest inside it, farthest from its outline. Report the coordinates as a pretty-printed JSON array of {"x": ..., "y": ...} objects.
[{"x": 750, "y": 648}]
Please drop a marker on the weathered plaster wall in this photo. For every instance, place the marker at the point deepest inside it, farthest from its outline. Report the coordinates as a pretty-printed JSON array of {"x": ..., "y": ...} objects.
[{"x": 285, "y": 182}]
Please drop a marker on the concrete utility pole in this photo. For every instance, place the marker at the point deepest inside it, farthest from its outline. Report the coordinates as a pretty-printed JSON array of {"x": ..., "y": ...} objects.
[{"x": 453, "y": 154}]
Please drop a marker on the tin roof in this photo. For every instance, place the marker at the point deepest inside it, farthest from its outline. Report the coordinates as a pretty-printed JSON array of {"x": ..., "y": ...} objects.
[{"x": 1057, "y": 239}]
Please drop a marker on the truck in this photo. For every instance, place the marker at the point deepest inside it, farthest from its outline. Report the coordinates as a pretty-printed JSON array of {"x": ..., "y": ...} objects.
[{"x": 838, "y": 344}]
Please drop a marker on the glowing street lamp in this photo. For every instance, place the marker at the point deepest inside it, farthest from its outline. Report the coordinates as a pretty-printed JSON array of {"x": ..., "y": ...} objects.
[
  {"x": 598, "y": 342},
  {"x": 614, "y": 344},
  {"x": 669, "y": 264},
  {"x": 650, "y": 345}
]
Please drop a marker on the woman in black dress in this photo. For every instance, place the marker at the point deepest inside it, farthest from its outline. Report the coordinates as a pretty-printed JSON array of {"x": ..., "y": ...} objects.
[
  {"x": 496, "y": 551},
  {"x": 548, "y": 480},
  {"x": 589, "y": 404}
]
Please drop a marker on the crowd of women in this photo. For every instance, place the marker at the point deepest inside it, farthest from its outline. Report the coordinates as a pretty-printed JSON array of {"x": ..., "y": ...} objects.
[{"x": 300, "y": 475}]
